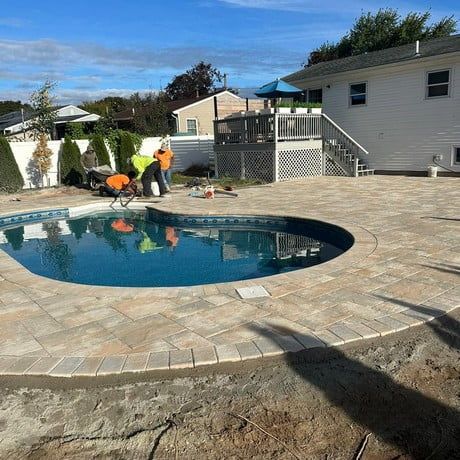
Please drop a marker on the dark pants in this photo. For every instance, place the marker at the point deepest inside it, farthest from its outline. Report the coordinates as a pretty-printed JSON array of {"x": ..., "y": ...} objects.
[
  {"x": 111, "y": 191},
  {"x": 153, "y": 170}
]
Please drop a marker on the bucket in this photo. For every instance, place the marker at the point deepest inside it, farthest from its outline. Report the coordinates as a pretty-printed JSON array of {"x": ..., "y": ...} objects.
[
  {"x": 432, "y": 171},
  {"x": 155, "y": 188}
]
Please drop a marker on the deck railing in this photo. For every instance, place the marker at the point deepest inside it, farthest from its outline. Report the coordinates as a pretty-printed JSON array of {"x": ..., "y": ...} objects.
[{"x": 272, "y": 127}]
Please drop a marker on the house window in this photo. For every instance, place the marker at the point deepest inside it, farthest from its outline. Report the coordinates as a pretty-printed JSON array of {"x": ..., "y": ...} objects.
[
  {"x": 192, "y": 126},
  {"x": 456, "y": 155},
  {"x": 358, "y": 93},
  {"x": 315, "y": 95},
  {"x": 437, "y": 83}
]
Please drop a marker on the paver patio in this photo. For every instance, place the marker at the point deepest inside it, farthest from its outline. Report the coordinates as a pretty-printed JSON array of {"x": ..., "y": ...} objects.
[{"x": 402, "y": 270}]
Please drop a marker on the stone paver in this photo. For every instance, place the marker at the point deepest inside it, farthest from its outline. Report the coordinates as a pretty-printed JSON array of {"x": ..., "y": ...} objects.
[
  {"x": 158, "y": 361},
  {"x": 395, "y": 276},
  {"x": 204, "y": 356}
]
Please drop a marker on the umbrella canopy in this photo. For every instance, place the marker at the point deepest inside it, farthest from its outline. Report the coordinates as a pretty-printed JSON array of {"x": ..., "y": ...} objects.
[{"x": 277, "y": 88}]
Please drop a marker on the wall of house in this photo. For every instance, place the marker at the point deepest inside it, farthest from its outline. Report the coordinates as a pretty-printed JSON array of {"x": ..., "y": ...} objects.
[
  {"x": 189, "y": 150},
  {"x": 204, "y": 112},
  {"x": 401, "y": 129}
]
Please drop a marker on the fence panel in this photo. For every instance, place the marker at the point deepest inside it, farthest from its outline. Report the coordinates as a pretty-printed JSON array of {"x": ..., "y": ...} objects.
[{"x": 189, "y": 150}]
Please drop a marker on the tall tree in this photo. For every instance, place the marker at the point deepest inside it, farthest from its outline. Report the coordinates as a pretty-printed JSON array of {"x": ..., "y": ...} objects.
[
  {"x": 13, "y": 106},
  {"x": 197, "y": 81},
  {"x": 150, "y": 115},
  {"x": 106, "y": 106},
  {"x": 384, "y": 29},
  {"x": 44, "y": 112}
]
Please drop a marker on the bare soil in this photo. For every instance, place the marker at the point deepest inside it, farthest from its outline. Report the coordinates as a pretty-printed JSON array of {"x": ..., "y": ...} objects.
[{"x": 402, "y": 389}]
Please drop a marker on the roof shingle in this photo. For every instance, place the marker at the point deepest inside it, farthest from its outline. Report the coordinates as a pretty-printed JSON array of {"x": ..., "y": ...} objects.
[{"x": 403, "y": 53}]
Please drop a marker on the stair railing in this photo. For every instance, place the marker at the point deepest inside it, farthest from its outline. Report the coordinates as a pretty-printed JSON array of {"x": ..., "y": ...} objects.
[{"x": 341, "y": 146}]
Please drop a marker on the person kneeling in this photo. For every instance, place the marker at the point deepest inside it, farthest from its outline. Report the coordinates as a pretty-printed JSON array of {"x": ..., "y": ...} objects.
[{"x": 120, "y": 183}]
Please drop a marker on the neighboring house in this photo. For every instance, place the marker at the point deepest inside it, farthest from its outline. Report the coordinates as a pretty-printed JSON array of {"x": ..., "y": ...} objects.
[
  {"x": 195, "y": 116},
  {"x": 401, "y": 104},
  {"x": 16, "y": 125}
]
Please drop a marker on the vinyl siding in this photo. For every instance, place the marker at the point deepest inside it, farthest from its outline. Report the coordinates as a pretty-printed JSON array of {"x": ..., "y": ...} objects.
[{"x": 401, "y": 129}]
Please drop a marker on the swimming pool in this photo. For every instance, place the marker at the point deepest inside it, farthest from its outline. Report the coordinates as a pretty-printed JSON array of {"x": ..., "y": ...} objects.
[{"x": 138, "y": 249}]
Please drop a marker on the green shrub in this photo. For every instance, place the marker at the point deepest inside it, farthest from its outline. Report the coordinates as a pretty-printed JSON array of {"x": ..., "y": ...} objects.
[
  {"x": 10, "y": 177},
  {"x": 98, "y": 144},
  {"x": 72, "y": 172},
  {"x": 305, "y": 105},
  {"x": 125, "y": 150},
  {"x": 114, "y": 139},
  {"x": 76, "y": 131}
]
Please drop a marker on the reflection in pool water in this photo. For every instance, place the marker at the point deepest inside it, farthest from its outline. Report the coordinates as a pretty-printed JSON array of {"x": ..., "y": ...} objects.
[{"x": 127, "y": 250}]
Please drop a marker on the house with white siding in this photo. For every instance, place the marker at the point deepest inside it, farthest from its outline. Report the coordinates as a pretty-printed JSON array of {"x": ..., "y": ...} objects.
[
  {"x": 16, "y": 126},
  {"x": 402, "y": 105}
]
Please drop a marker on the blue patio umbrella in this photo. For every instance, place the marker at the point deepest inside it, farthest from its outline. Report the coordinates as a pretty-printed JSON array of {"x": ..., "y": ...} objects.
[{"x": 277, "y": 88}]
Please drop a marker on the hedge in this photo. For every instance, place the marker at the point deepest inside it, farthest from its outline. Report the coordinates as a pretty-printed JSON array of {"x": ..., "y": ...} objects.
[
  {"x": 72, "y": 172},
  {"x": 11, "y": 180},
  {"x": 98, "y": 144},
  {"x": 126, "y": 150}
]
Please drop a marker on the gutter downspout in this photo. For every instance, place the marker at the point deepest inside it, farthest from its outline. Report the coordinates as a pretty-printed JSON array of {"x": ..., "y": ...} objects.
[{"x": 176, "y": 117}]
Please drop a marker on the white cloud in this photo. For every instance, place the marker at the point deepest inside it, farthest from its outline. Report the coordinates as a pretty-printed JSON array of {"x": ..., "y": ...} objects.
[{"x": 284, "y": 5}]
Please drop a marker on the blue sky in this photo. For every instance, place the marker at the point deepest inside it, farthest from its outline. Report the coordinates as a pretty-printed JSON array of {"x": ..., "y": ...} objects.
[{"x": 115, "y": 47}]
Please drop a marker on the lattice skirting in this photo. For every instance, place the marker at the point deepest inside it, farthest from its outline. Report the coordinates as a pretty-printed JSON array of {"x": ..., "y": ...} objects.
[
  {"x": 292, "y": 164},
  {"x": 331, "y": 168},
  {"x": 299, "y": 163},
  {"x": 259, "y": 165}
]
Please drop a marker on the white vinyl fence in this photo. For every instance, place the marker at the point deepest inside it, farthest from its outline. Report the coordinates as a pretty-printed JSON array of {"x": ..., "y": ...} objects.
[{"x": 189, "y": 150}]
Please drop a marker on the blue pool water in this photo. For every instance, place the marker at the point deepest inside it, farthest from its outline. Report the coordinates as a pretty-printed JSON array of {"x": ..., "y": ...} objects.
[{"x": 114, "y": 249}]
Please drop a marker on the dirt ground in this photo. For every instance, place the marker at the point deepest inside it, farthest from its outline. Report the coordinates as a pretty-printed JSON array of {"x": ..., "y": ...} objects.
[{"x": 403, "y": 389}]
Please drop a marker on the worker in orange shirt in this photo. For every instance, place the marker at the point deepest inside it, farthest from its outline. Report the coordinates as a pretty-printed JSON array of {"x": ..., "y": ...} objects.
[
  {"x": 166, "y": 158},
  {"x": 118, "y": 183}
]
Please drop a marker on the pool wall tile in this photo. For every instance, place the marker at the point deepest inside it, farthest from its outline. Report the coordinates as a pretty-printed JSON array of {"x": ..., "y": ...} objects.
[{"x": 33, "y": 216}]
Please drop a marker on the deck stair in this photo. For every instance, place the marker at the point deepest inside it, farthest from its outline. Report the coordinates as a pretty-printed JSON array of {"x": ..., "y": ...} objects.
[
  {"x": 343, "y": 149},
  {"x": 277, "y": 146}
]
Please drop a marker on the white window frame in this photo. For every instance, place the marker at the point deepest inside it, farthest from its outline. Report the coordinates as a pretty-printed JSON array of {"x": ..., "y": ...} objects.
[
  {"x": 196, "y": 125},
  {"x": 449, "y": 83},
  {"x": 365, "y": 93},
  {"x": 454, "y": 148}
]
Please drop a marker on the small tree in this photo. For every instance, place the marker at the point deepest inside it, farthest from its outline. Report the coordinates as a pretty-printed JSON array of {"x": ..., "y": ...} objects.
[
  {"x": 10, "y": 177},
  {"x": 71, "y": 169},
  {"x": 126, "y": 150},
  {"x": 44, "y": 113},
  {"x": 98, "y": 144},
  {"x": 42, "y": 157}
]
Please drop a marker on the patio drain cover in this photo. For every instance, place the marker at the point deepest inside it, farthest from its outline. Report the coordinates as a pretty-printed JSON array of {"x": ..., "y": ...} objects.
[{"x": 252, "y": 292}]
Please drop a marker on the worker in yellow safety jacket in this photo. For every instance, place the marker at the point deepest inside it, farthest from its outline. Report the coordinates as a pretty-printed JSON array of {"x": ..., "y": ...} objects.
[{"x": 147, "y": 168}]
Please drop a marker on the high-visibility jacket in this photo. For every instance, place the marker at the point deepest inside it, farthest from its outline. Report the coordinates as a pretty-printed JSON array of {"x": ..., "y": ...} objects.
[{"x": 140, "y": 163}]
